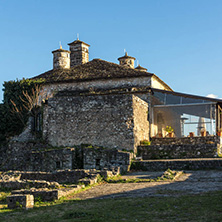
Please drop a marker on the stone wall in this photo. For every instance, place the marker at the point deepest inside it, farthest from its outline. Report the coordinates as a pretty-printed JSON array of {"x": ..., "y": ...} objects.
[
  {"x": 58, "y": 159},
  {"x": 20, "y": 201},
  {"x": 103, "y": 120},
  {"x": 61, "y": 176},
  {"x": 99, "y": 84},
  {"x": 27, "y": 134},
  {"x": 186, "y": 140},
  {"x": 140, "y": 120},
  {"x": 180, "y": 148},
  {"x": 17, "y": 156},
  {"x": 101, "y": 158},
  {"x": 182, "y": 164},
  {"x": 37, "y": 157},
  {"x": 66, "y": 176},
  {"x": 28, "y": 156}
]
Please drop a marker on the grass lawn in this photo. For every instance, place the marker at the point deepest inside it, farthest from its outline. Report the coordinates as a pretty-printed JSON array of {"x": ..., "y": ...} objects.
[{"x": 205, "y": 207}]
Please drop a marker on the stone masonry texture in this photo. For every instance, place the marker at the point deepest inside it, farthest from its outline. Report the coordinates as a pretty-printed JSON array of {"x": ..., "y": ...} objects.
[
  {"x": 20, "y": 201},
  {"x": 28, "y": 156},
  {"x": 180, "y": 148},
  {"x": 102, "y": 120},
  {"x": 178, "y": 164}
]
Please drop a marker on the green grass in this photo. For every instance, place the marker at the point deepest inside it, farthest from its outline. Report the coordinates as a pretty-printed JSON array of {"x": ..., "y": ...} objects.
[
  {"x": 206, "y": 207},
  {"x": 3, "y": 196}
]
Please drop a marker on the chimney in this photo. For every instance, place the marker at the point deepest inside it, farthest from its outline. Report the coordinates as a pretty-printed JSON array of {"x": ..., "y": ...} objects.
[
  {"x": 61, "y": 58},
  {"x": 140, "y": 68},
  {"x": 127, "y": 61},
  {"x": 79, "y": 52}
]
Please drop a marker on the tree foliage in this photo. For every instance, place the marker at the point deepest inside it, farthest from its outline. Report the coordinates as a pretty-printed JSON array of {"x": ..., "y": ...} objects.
[{"x": 10, "y": 122}]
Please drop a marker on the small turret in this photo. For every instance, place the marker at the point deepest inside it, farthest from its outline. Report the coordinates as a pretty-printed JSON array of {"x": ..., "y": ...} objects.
[
  {"x": 140, "y": 68},
  {"x": 79, "y": 52},
  {"x": 61, "y": 58},
  {"x": 127, "y": 61}
]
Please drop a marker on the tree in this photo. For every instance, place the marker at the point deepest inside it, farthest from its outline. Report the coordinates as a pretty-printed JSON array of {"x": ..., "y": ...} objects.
[{"x": 31, "y": 102}]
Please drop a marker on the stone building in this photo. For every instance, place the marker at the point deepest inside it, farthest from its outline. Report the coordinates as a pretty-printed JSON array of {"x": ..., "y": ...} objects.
[
  {"x": 96, "y": 102},
  {"x": 116, "y": 105}
]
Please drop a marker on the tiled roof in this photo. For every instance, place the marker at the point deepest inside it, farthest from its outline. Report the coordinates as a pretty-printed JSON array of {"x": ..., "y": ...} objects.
[
  {"x": 126, "y": 57},
  {"x": 139, "y": 67},
  {"x": 60, "y": 50},
  {"x": 78, "y": 42},
  {"x": 95, "y": 69}
]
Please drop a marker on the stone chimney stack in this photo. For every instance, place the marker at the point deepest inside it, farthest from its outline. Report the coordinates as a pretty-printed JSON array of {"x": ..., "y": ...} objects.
[
  {"x": 127, "y": 61},
  {"x": 61, "y": 59},
  {"x": 79, "y": 52}
]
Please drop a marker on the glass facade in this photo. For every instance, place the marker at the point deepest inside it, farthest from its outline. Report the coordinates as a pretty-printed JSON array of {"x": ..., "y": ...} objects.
[{"x": 183, "y": 115}]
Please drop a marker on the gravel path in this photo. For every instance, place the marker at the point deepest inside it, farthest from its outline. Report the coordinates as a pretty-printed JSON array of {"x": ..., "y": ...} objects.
[{"x": 191, "y": 182}]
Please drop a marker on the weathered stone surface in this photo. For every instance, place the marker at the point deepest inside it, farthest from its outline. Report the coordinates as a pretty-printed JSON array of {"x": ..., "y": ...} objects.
[
  {"x": 46, "y": 194},
  {"x": 62, "y": 176},
  {"x": 79, "y": 53},
  {"x": 20, "y": 201},
  {"x": 9, "y": 176},
  {"x": 102, "y": 120},
  {"x": 100, "y": 158},
  {"x": 27, "y": 134},
  {"x": 177, "y": 148},
  {"x": 178, "y": 164},
  {"x": 22, "y": 184},
  {"x": 61, "y": 59},
  {"x": 17, "y": 155},
  {"x": 186, "y": 140},
  {"x": 51, "y": 160},
  {"x": 67, "y": 176},
  {"x": 38, "y": 157}
]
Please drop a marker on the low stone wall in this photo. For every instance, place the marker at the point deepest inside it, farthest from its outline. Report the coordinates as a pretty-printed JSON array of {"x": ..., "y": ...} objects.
[
  {"x": 52, "y": 160},
  {"x": 177, "y": 151},
  {"x": 182, "y": 164},
  {"x": 180, "y": 148},
  {"x": 66, "y": 176},
  {"x": 17, "y": 155},
  {"x": 63, "y": 176},
  {"x": 49, "y": 191},
  {"x": 48, "y": 195},
  {"x": 100, "y": 158},
  {"x": 25, "y": 184},
  {"x": 20, "y": 201},
  {"x": 186, "y": 140},
  {"x": 30, "y": 156}
]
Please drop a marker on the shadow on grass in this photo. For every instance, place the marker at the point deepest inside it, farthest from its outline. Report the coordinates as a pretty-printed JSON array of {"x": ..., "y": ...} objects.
[{"x": 154, "y": 206}]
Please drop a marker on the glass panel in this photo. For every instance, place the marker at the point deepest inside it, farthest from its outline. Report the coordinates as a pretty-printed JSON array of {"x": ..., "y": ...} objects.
[
  {"x": 173, "y": 99},
  {"x": 184, "y": 119},
  {"x": 158, "y": 98},
  {"x": 187, "y": 100},
  {"x": 167, "y": 99},
  {"x": 183, "y": 115}
]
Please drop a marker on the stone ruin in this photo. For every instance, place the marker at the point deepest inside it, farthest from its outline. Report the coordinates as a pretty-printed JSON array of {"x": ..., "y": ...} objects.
[{"x": 47, "y": 186}]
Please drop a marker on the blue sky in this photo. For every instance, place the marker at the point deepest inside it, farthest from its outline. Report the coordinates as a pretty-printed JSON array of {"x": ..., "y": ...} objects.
[{"x": 178, "y": 40}]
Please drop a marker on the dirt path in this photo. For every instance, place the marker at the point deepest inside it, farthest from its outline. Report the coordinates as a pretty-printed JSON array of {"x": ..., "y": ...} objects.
[{"x": 191, "y": 182}]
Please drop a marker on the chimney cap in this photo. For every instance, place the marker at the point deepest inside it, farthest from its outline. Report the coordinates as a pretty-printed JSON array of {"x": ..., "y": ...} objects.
[
  {"x": 140, "y": 68},
  {"x": 126, "y": 57},
  {"x": 78, "y": 42},
  {"x": 61, "y": 50}
]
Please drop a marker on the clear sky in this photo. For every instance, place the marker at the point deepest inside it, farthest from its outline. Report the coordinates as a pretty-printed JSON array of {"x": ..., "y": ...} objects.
[{"x": 178, "y": 40}]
